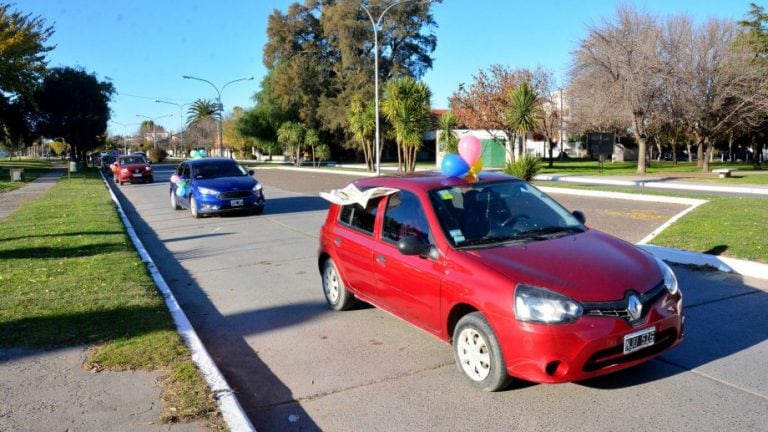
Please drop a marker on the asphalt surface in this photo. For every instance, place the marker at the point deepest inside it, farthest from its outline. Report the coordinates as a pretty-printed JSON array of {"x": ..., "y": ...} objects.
[
  {"x": 250, "y": 286},
  {"x": 251, "y": 289}
]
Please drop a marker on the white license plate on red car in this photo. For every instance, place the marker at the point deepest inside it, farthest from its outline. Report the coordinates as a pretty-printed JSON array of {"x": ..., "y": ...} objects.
[
  {"x": 639, "y": 339},
  {"x": 137, "y": 175},
  {"x": 236, "y": 203}
]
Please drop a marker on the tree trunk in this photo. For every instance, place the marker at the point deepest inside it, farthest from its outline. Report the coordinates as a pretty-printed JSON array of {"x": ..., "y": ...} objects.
[
  {"x": 642, "y": 149},
  {"x": 706, "y": 150},
  {"x": 673, "y": 144}
]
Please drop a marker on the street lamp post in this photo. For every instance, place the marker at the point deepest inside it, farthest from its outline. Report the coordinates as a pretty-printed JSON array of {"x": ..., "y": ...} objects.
[
  {"x": 375, "y": 25},
  {"x": 181, "y": 121},
  {"x": 219, "y": 105},
  {"x": 124, "y": 125},
  {"x": 152, "y": 119}
]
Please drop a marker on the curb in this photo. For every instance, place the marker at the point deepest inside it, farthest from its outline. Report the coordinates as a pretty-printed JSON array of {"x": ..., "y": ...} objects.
[
  {"x": 652, "y": 183},
  {"x": 724, "y": 264},
  {"x": 230, "y": 407}
]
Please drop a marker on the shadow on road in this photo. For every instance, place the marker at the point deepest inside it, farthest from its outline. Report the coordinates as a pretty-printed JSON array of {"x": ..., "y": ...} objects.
[{"x": 255, "y": 385}]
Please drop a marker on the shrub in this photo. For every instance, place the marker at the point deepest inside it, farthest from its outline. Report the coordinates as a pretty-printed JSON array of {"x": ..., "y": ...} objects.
[
  {"x": 157, "y": 155},
  {"x": 525, "y": 167}
]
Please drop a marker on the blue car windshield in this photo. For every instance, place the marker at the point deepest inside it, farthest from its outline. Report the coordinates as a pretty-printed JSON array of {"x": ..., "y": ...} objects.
[
  {"x": 495, "y": 213},
  {"x": 216, "y": 170}
]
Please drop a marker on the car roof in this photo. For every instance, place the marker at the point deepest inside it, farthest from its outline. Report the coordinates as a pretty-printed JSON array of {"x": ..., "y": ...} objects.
[
  {"x": 205, "y": 161},
  {"x": 427, "y": 180}
]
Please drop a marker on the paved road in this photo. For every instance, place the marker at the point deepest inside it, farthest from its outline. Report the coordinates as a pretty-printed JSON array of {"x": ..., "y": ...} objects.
[{"x": 251, "y": 289}]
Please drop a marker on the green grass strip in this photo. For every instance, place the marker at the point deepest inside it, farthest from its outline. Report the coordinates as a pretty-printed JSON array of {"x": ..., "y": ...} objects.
[{"x": 69, "y": 276}]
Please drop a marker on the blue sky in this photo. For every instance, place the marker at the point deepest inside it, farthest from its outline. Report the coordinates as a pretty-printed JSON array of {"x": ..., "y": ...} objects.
[{"x": 145, "y": 47}]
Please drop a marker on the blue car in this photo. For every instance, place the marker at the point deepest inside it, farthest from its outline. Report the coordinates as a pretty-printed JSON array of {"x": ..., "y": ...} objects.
[{"x": 214, "y": 186}]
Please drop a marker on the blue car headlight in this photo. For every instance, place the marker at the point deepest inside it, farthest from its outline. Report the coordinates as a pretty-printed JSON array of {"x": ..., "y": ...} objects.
[
  {"x": 207, "y": 191},
  {"x": 257, "y": 187}
]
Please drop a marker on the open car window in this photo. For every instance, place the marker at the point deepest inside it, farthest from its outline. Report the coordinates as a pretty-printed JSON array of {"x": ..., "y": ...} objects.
[{"x": 358, "y": 217}]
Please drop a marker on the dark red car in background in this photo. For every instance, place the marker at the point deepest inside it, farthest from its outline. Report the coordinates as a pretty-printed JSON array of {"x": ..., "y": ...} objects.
[
  {"x": 132, "y": 169},
  {"x": 515, "y": 282}
]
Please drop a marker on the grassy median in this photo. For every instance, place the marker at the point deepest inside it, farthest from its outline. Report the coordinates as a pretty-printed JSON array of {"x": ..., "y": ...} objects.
[{"x": 69, "y": 276}]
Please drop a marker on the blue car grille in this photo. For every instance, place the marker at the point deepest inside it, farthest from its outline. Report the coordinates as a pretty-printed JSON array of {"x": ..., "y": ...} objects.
[{"x": 235, "y": 194}]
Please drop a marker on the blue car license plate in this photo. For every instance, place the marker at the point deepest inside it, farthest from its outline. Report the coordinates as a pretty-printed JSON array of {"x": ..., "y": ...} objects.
[
  {"x": 639, "y": 340},
  {"x": 236, "y": 203}
]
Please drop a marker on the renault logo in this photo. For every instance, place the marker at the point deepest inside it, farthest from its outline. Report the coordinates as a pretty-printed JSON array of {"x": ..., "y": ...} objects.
[{"x": 634, "y": 307}]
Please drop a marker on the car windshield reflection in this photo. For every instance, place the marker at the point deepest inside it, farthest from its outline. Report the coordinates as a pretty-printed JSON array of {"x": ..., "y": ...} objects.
[{"x": 491, "y": 214}]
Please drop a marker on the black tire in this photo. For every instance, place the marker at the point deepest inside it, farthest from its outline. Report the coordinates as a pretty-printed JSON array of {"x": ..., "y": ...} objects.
[
  {"x": 478, "y": 354},
  {"x": 193, "y": 207},
  {"x": 174, "y": 203},
  {"x": 334, "y": 289}
]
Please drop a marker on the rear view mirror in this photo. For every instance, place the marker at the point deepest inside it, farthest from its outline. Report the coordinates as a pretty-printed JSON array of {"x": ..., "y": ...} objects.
[
  {"x": 411, "y": 245},
  {"x": 579, "y": 215}
]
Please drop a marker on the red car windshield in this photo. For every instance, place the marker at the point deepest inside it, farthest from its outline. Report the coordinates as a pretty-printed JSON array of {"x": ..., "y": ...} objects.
[{"x": 487, "y": 214}]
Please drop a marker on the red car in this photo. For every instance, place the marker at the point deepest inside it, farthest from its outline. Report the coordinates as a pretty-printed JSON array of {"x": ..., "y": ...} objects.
[
  {"x": 515, "y": 282},
  {"x": 133, "y": 168}
]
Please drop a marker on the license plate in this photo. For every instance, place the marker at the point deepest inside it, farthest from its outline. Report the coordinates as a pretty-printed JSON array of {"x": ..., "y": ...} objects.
[
  {"x": 137, "y": 175},
  {"x": 639, "y": 339},
  {"x": 236, "y": 203}
]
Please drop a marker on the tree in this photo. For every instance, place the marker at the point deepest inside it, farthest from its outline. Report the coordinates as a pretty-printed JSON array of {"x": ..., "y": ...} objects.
[
  {"x": 233, "y": 139},
  {"x": 74, "y": 105},
  {"x": 362, "y": 123},
  {"x": 618, "y": 61},
  {"x": 291, "y": 137},
  {"x": 448, "y": 140},
  {"x": 406, "y": 107},
  {"x": 322, "y": 152},
  {"x": 484, "y": 104},
  {"x": 524, "y": 112},
  {"x": 320, "y": 57},
  {"x": 312, "y": 139},
  {"x": 23, "y": 48}
]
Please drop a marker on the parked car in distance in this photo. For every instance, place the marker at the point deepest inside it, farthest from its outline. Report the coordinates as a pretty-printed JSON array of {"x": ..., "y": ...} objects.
[
  {"x": 132, "y": 169},
  {"x": 215, "y": 185},
  {"x": 519, "y": 285}
]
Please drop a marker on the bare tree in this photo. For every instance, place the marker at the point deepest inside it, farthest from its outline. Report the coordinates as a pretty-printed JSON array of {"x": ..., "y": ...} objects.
[{"x": 619, "y": 63}]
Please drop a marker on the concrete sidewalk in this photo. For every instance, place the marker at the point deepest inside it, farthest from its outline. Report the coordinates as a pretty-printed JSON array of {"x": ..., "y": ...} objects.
[
  {"x": 11, "y": 201},
  {"x": 48, "y": 390}
]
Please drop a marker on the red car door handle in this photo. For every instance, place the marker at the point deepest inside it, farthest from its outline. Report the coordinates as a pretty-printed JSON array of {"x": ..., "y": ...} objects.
[
  {"x": 381, "y": 258},
  {"x": 337, "y": 241}
]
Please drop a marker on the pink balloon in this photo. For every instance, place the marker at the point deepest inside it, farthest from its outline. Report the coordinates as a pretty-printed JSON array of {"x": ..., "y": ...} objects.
[
  {"x": 470, "y": 149},
  {"x": 175, "y": 179}
]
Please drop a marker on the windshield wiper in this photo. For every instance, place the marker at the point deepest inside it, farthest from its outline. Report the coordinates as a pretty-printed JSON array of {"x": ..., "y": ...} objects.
[
  {"x": 489, "y": 241},
  {"x": 548, "y": 232}
]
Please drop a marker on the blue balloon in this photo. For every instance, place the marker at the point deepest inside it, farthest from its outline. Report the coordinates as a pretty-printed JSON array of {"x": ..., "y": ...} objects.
[
  {"x": 201, "y": 152},
  {"x": 454, "y": 165}
]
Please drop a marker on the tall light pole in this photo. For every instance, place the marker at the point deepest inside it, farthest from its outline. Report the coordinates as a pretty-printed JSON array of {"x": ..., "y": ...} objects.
[
  {"x": 375, "y": 25},
  {"x": 219, "y": 105},
  {"x": 124, "y": 125},
  {"x": 154, "y": 139},
  {"x": 181, "y": 121}
]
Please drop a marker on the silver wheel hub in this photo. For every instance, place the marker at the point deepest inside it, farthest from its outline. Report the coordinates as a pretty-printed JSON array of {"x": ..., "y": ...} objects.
[
  {"x": 474, "y": 355},
  {"x": 331, "y": 285}
]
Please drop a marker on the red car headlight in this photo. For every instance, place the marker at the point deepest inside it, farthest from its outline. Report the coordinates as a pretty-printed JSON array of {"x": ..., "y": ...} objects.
[{"x": 539, "y": 305}]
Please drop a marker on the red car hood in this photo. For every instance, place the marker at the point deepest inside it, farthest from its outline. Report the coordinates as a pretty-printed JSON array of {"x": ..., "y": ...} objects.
[{"x": 589, "y": 266}]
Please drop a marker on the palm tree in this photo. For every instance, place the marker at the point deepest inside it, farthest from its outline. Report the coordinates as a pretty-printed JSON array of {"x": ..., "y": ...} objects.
[
  {"x": 201, "y": 112},
  {"x": 291, "y": 135},
  {"x": 200, "y": 109},
  {"x": 447, "y": 123},
  {"x": 525, "y": 112},
  {"x": 362, "y": 121},
  {"x": 311, "y": 139},
  {"x": 406, "y": 106}
]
